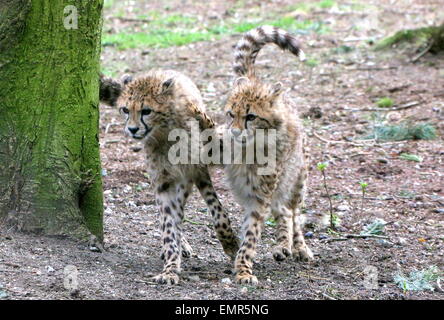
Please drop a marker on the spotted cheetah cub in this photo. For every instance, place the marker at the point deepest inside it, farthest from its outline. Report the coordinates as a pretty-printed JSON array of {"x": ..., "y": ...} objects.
[
  {"x": 154, "y": 105},
  {"x": 253, "y": 105}
]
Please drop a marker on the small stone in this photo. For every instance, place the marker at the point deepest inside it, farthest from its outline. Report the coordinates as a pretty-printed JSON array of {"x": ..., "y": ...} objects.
[
  {"x": 244, "y": 290},
  {"x": 94, "y": 249},
  {"x": 401, "y": 241},
  {"x": 3, "y": 294},
  {"x": 308, "y": 234},
  {"x": 50, "y": 269},
  {"x": 104, "y": 173},
  {"x": 194, "y": 278},
  {"x": 384, "y": 243},
  {"x": 439, "y": 210},
  {"x": 323, "y": 236},
  {"x": 343, "y": 207},
  {"x": 226, "y": 280}
]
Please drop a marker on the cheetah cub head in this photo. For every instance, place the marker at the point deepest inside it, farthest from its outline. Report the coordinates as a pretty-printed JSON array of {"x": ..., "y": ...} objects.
[
  {"x": 253, "y": 105},
  {"x": 143, "y": 102}
]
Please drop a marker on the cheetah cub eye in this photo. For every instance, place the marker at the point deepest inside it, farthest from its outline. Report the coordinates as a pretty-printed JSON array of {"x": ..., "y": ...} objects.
[{"x": 146, "y": 111}]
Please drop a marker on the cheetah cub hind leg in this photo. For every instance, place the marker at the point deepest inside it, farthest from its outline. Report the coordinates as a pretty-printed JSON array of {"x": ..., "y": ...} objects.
[{"x": 300, "y": 249}]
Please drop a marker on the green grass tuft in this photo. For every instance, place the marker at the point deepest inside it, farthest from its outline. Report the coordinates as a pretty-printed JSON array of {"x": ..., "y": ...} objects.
[
  {"x": 385, "y": 103},
  {"x": 178, "y": 30},
  {"x": 410, "y": 157},
  {"x": 326, "y": 4},
  {"x": 406, "y": 131}
]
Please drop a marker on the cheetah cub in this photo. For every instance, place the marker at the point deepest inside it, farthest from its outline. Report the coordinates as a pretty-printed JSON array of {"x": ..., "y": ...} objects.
[
  {"x": 253, "y": 105},
  {"x": 154, "y": 105}
]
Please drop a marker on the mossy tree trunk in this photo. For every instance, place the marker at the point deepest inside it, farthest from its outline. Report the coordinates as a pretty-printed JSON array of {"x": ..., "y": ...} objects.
[
  {"x": 50, "y": 174},
  {"x": 431, "y": 38}
]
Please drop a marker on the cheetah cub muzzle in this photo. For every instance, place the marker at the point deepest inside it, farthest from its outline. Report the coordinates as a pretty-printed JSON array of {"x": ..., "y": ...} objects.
[
  {"x": 154, "y": 105},
  {"x": 251, "y": 107}
]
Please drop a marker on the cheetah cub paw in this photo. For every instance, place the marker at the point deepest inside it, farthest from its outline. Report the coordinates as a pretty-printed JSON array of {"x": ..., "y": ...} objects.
[
  {"x": 280, "y": 253},
  {"x": 246, "y": 278},
  {"x": 168, "y": 278},
  {"x": 303, "y": 254}
]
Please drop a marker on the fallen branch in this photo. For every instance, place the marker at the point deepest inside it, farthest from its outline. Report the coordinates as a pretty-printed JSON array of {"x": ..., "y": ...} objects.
[
  {"x": 371, "y": 68},
  {"x": 356, "y": 236},
  {"x": 339, "y": 142}
]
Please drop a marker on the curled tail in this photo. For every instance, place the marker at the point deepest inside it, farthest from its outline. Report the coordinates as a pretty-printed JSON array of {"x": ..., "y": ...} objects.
[{"x": 252, "y": 42}]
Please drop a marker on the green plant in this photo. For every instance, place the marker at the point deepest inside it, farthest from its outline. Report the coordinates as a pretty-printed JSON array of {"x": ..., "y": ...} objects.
[
  {"x": 375, "y": 228},
  {"x": 404, "y": 131},
  {"x": 326, "y": 4},
  {"x": 334, "y": 219},
  {"x": 410, "y": 157},
  {"x": 363, "y": 186},
  {"x": 311, "y": 63},
  {"x": 385, "y": 102},
  {"x": 419, "y": 280}
]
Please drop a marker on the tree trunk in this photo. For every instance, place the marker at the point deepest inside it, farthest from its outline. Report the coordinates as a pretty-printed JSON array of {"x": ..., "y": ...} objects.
[{"x": 50, "y": 174}]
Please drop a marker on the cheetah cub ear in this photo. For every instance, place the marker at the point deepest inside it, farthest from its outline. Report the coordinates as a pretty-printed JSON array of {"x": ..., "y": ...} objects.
[
  {"x": 109, "y": 90},
  {"x": 167, "y": 86},
  {"x": 240, "y": 80}
]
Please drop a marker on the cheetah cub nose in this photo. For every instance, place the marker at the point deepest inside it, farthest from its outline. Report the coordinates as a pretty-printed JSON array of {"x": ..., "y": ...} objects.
[{"x": 133, "y": 130}]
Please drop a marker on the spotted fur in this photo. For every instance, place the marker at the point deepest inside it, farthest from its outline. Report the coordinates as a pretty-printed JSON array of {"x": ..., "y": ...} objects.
[
  {"x": 254, "y": 105},
  {"x": 153, "y": 105}
]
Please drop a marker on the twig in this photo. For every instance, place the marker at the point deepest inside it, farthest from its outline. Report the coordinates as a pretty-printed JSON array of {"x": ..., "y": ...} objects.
[
  {"x": 145, "y": 281},
  {"x": 332, "y": 225},
  {"x": 356, "y": 236},
  {"x": 328, "y": 297},
  {"x": 423, "y": 52},
  {"x": 402, "y": 107},
  {"x": 195, "y": 222},
  {"x": 338, "y": 142},
  {"x": 311, "y": 277},
  {"x": 371, "y": 68},
  {"x": 130, "y": 19},
  {"x": 111, "y": 141}
]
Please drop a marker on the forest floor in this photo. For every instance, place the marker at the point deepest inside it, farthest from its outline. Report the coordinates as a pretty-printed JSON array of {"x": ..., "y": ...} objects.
[{"x": 342, "y": 76}]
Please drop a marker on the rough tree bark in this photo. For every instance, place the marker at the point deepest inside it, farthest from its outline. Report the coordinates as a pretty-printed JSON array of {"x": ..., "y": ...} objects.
[{"x": 50, "y": 174}]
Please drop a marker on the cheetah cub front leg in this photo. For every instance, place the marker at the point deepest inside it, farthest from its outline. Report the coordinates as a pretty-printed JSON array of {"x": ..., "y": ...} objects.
[
  {"x": 171, "y": 212},
  {"x": 251, "y": 233},
  {"x": 284, "y": 231}
]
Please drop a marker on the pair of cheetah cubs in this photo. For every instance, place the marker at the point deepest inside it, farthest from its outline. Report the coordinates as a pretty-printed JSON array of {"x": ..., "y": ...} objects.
[{"x": 162, "y": 101}]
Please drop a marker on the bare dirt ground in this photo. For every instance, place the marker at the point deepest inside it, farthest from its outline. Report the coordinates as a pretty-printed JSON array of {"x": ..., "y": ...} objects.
[{"x": 408, "y": 194}]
